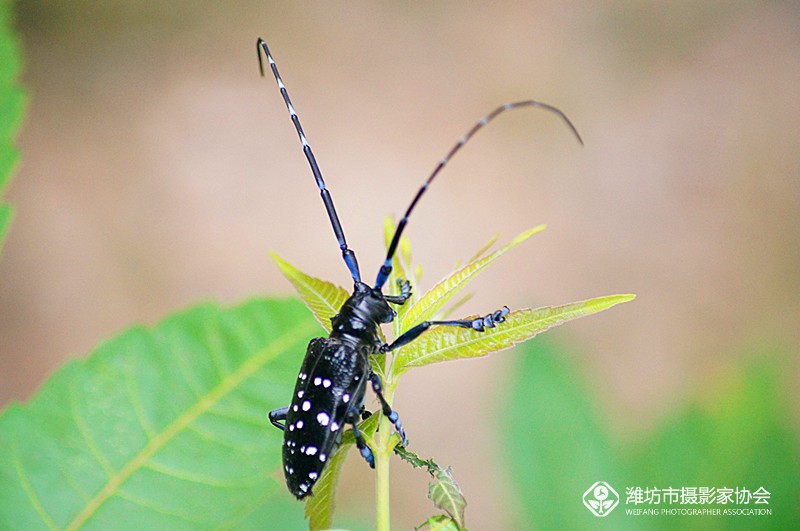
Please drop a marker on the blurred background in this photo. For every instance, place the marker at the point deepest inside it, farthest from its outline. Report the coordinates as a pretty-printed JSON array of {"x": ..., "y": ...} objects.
[{"x": 158, "y": 169}]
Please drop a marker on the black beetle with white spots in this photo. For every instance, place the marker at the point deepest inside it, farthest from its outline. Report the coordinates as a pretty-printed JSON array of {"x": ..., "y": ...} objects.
[{"x": 333, "y": 379}]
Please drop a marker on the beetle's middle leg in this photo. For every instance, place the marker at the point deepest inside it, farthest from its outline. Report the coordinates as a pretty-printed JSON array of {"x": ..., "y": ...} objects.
[
  {"x": 391, "y": 414},
  {"x": 363, "y": 448}
]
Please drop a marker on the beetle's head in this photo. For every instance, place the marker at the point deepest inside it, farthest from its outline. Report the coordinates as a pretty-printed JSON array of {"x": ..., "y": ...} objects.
[{"x": 372, "y": 304}]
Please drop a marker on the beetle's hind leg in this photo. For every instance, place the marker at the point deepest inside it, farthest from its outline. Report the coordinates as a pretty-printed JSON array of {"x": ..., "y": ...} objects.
[
  {"x": 391, "y": 414},
  {"x": 363, "y": 448},
  {"x": 278, "y": 415}
]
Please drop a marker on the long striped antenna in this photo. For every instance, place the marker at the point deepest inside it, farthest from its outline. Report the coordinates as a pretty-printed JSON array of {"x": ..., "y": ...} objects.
[
  {"x": 386, "y": 268},
  {"x": 348, "y": 255}
]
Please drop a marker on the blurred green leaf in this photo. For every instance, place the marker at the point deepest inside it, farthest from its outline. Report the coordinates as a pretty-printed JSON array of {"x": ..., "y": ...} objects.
[
  {"x": 440, "y": 523},
  {"x": 161, "y": 429},
  {"x": 738, "y": 434},
  {"x": 555, "y": 447},
  {"x": 12, "y": 102}
]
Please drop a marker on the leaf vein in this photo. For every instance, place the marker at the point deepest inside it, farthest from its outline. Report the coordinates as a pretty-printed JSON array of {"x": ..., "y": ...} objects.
[{"x": 203, "y": 404}]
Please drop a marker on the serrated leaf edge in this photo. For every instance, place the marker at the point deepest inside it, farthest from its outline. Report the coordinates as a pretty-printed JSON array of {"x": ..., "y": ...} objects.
[{"x": 448, "y": 287}]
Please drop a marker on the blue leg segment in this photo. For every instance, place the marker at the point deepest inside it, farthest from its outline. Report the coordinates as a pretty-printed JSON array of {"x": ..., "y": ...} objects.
[
  {"x": 391, "y": 414},
  {"x": 363, "y": 448}
]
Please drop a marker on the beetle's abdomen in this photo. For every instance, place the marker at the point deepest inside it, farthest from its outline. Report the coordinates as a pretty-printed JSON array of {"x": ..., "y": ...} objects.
[{"x": 331, "y": 382}]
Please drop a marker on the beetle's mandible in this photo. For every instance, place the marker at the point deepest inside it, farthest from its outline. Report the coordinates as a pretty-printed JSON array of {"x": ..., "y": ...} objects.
[{"x": 333, "y": 379}]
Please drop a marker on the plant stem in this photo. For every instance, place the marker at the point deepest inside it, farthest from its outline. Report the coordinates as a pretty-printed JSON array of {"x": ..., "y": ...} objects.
[
  {"x": 382, "y": 476},
  {"x": 383, "y": 454}
]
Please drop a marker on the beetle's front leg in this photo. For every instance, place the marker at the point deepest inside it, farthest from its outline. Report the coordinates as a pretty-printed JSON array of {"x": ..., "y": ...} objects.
[
  {"x": 405, "y": 293},
  {"x": 478, "y": 324}
]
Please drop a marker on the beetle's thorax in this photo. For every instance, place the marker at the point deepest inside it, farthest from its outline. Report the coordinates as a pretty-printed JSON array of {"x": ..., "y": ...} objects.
[{"x": 361, "y": 315}]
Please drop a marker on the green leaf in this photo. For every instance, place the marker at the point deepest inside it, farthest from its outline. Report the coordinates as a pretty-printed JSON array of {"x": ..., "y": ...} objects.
[
  {"x": 440, "y": 523},
  {"x": 738, "y": 432},
  {"x": 323, "y": 298},
  {"x": 553, "y": 439},
  {"x": 447, "y": 343},
  {"x": 429, "y": 304},
  {"x": 162, "y": 428},
  {"x": 416, "y": 461},
  {"x": 12, "y": 103},
  {"x": 321, "y": 504},
  {"x": 445, "y": 494}
]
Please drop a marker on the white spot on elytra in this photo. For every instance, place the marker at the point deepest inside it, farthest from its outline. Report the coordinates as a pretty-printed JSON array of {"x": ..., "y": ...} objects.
[
  {"x": 291, "y": 427},
  {"x": 317, "y": 380},
  {"x": 334, "y": 426},
  {"x": 326, "y": 383},
  {"x": 306, "y": 405},
  {"x": 300, "y": 393},
  {"x": 299, "y": 424},
  {"x": 311, "y": 450},
  {"x": 312, "y": 475},
  {"x": 322, "y": 457},
  {"x": 303, "y": 487},
  {"x": 323, "y": 418},
  {"x": 294, "y": 407},
  {"x": 345, "y": 399}
]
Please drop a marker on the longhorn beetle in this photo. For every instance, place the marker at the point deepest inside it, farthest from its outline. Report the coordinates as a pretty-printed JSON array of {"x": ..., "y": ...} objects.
[{"x": 330, "y": 388}]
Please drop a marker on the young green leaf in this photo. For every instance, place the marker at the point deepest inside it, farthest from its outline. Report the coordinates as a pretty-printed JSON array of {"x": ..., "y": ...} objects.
[
  {"x": 440, "y": 523},
  {"x": 445, "y": 494},
  {"x": 430, "y": 303},
  {"x": 162, "y": 428},
  {"x": 12, "y": 102},
  {"x": 446, "y": 343},
  {"x": 322, "y": 298},
  {"x": 320, "y": 506},
  {"x": 416, "y": 461},
  {"x": 401, "y": 271}
]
